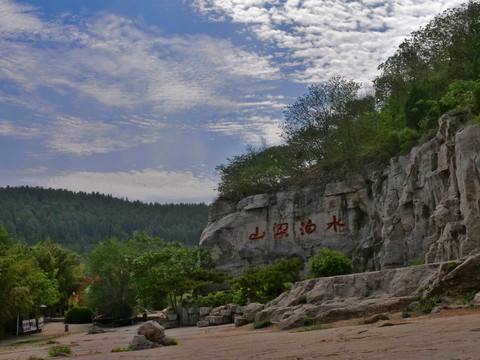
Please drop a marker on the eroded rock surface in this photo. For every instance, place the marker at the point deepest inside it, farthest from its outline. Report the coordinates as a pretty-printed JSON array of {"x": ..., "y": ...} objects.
[{"x": 422, "y": 206}]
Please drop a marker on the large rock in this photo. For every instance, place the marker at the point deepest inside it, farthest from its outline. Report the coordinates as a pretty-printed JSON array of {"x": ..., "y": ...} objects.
[
  {"x": 140, "y": 342},
  {"x": 349, "y": 296},
  {"x": 424, "y": 206},
  {"x": 154, "y": 332}
]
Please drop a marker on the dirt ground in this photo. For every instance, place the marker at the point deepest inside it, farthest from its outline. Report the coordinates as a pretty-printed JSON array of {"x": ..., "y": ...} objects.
[{"x": 452, "y": 334}]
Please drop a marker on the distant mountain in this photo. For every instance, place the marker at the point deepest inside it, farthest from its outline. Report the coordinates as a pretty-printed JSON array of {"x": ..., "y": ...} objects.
[{"x": 80, "y": 220}]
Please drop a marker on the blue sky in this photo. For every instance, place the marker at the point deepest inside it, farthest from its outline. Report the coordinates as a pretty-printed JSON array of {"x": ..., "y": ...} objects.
[{"x": 142, "y": 99}]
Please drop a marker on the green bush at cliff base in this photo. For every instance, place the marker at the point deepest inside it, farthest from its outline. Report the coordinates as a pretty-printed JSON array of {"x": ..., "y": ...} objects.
[
  {"x": 265, "y": 284},
  {"x": 329, "y": 263},
  {"x": 79, "y": 315}
]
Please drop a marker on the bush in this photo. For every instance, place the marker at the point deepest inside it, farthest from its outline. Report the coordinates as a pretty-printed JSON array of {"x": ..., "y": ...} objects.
[
  {"x": 79, "y": 315},
  {"x": 263, "y": 324},
  {"x": 265, "y": 284},
  {"x": 211, "y": 300},
  {"x": 329, "y": 263},
  {"x": 56, "y": 351}
]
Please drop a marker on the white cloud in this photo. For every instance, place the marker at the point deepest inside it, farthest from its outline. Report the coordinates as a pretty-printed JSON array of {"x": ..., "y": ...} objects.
[
  {"x": 118, "y": 63},
  {"x": 329, "y": 37},
  {"x": 8, "y": 128},
  {"x": 150, "y": 185},
  {"x": 254, "y": 130}
]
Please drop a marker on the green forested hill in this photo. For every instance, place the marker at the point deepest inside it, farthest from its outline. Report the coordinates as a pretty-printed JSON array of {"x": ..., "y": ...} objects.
[{"x": 80, "y": 220}]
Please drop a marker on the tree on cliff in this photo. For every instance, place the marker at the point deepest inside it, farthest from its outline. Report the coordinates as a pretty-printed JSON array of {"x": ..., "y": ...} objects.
[{"x": 319, "y": 125}]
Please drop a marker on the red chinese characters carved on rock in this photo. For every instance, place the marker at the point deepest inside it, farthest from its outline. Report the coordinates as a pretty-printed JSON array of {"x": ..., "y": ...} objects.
[
  {"x": 280, "y": 231},
  {"x": 256, "y": 236},
  {"x": 308, "y": 228},
  {"x": 335, "y": 223}
]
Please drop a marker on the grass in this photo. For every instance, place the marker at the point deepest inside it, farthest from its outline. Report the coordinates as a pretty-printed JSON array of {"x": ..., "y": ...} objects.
[
  {"x": 426, "y": 305},
  {"x": 303, "y": 299},
  {"x": 262, "y": 324},
  {"x": 116, "y": 350},
  {"x": 468, "y": 297},
  {"x": 33, "y": 357},
  {"x": 316, "y": 327},
  {"x": 59, "y": 349},
  {"x": 306, "y": 321},
  {"x": 173, "y": 342}
]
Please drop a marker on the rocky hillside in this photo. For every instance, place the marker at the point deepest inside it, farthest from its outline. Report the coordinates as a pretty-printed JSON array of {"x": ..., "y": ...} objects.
[{"x": 422, "y": 207}]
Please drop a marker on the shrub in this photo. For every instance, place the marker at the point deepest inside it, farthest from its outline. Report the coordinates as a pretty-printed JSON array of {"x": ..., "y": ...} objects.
[
  {"x": 211, "y": 300},
  {"x": 329, "y": 263},
  {"x": 78, "y": 315},
  {"x": 426, "y": 305},
  {"x": 265, "y": 284},
  {"x": 306, "y": 321},
  {"x": 59, "y": 350},
  {"x": 262, "y": 324}
]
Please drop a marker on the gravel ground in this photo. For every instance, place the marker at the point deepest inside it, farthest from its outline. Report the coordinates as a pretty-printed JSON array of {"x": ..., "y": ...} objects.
[{"x": 452, "y": 334}]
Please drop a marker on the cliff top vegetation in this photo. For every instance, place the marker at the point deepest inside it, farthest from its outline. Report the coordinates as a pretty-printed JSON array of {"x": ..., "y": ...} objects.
[{"x": 434, "y": 71}]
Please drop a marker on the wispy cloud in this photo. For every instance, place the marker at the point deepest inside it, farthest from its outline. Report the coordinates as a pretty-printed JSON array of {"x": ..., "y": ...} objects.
[
  {"x": 146, "y": 185},
  {"x": 328, "y": 37},
  {"x": 254, "y": 130},
  {"x": 118, "y": 63}
]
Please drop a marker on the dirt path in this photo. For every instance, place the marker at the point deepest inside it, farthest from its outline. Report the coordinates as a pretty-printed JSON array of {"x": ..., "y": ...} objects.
[{"x": 450, "y": 335}]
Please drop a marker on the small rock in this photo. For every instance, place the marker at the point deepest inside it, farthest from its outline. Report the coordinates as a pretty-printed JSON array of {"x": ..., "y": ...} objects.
[
  {"x": 96, "y": 330},
  {"x": 476, "y": 299},
  {"x": 376, "y": 318}
]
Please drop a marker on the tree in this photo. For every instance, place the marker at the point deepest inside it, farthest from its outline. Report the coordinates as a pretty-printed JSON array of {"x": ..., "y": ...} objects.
[
  {"x": 110, "y": 263},
  {"x": 311, "y": 121},
  {"x": 445, "y": 50},
  {"x": 170, "y": 270},
  {"x": 24, "y": 286},
  {"x": 61, "y": 266}
]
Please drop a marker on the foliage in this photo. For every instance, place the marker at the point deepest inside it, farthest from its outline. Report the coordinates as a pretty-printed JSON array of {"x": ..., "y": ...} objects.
[
  {"x": 61, "y": 266},
  {"x": 55, "y": 351},
  {"x": 210, "y": 300},
  {"x": 329, "y": 263},
  {"x": 435, "y": 70},
  {"x": 24, "y": 286},
  {"x": 265, "y": 284},
  {"x": 78, "y": 221},
  {"x": 79, "y": 315},
  {"x": 262, "y": 324},
  {"x": 468, "y": 297},
  {"x": 110, "y": 263},
  {"x": 426, "y": 304},
  {"x": 258, "y": 170},
  {"x": 169, "y": 269},
  {"x": 145, "y": 270}
]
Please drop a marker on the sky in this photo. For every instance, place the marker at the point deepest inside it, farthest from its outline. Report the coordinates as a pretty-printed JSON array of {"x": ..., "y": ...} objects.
[{"x": 143, "y": 99}]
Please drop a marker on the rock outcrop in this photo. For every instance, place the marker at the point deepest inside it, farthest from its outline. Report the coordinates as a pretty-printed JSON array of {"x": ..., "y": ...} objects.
[
  {"x": 150, "y": 335},
  {"x": 373, "y": 294},
  {"x": 424, "y": 206}
]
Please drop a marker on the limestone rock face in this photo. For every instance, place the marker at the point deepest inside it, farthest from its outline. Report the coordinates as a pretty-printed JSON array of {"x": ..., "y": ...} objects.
[
  {"x": 422, "y": 206},
  {"x": 348, "y": 296}
]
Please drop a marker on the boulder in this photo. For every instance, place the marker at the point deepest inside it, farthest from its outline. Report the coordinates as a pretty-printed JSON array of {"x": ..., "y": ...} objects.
[
  {"x": 250, "y": 311},
  {"x": 140, "y": 342},
  {"x": 154, "y": 332},
  {"x": 240, "y": 321}
]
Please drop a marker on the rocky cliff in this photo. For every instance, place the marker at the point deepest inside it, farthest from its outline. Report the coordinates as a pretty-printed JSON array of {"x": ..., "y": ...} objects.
[{"x": 424, "y": 206}]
